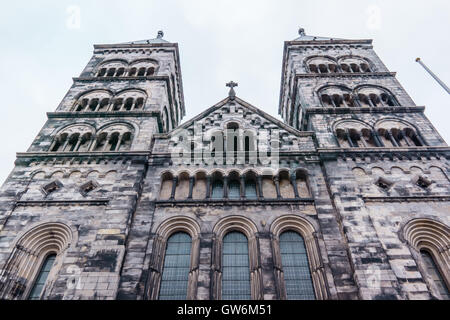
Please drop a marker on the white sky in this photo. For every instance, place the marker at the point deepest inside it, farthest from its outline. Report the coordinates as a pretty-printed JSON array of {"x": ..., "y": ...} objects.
[{"x": 44, "y": 46}]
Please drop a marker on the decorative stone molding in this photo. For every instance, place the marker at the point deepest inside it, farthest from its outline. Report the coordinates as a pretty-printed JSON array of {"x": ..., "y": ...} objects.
[
  {"x": 30, "y": 251},
  {"x": 432, "y": 236}
]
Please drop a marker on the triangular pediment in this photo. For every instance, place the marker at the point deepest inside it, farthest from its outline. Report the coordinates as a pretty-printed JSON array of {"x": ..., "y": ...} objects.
[
  {"x": 249, "y": 119},
  {"x": 236, "y": 109}
]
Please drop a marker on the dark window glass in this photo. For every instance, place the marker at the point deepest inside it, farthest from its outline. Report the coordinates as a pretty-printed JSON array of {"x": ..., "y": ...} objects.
[
  {"x": 41, "y": 278},
  {"x": 235, "y": 267},
  {"x": 435, "y": 274},
  {"x": 217, "y": 190},
  {"x": 234, "y": 189},
  {"x": 177, "y": 263},
  {"x": 250, "y": 189},
  {"x": 297, "y": 275}
]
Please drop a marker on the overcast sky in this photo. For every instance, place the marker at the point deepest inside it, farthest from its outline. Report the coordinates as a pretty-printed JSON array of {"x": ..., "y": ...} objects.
[{"x": 46, "y": 43}]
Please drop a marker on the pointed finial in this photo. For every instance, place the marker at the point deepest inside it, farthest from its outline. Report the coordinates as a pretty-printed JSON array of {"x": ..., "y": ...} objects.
[
  {"x": 301, "y": 32},
  {"x": 160, "y": 34},
  {"x": 231, "y": 85}
]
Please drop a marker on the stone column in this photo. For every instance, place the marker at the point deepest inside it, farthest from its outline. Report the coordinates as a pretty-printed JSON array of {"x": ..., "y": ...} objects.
[
  {"x": 174, "y": 187},
  {"x": 208, "y": 187},
  {"x": 294, "y": 184},
  {"x": 259, "y": 189},
  {"x": 276, "y": 180},
  {"x": 349, "y": 140},
  {"x": 377, "y": 139},
  {"x": 391, "y": 137},
  {"x": 225, "y": 187},
  {"x": 242, "y": 189},
  {"x": 191, "y": 187}
]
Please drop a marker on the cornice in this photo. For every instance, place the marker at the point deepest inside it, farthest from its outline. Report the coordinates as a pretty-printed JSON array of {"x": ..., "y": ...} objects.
[
  {"x": 85, "y": 155},
  {"x": 109, "y": 79},
  {"x": 95, "y": 202},
  {"x": 132, "y": 46},
  {"x": 390, "y": 153},
  {"x": 327, "y": 42},
  {"x": 346, "y": 75},
  {"x": 351, "y": 110},
  {"x": 417, "y": 198},
  {"x": 105, "y": 114},
  {"x": 233, "y": 202}
]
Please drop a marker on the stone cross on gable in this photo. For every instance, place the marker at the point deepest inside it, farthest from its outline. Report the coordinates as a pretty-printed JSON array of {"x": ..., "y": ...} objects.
[{"x": 231, "y": 85}]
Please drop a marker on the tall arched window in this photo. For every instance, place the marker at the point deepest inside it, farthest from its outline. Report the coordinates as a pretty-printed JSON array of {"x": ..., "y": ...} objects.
[
  {"x": 177, "y": 263},
  {"x": 235, "y": 267},
  {"x": 29, "y": 264},
  {"x": 297, "y": 276},
  {"x": 41, "y": 278},
  {"x": 435, "y": 274}
]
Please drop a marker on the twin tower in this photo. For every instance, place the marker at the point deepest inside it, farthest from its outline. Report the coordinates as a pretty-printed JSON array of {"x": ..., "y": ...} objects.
[{"x": 353, "y": 203}]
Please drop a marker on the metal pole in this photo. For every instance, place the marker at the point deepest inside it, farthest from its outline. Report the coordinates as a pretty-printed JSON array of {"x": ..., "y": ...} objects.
[{"x": 433, "y": 75}]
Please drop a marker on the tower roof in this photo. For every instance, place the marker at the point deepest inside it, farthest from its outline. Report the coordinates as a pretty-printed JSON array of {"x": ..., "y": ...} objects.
[
  {"x": 158, "y": 39},
  {"x": 305, "y": 37}
]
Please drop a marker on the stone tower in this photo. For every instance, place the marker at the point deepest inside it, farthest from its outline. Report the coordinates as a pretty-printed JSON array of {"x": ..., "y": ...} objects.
[
  {"x": 348, "y": 198},
  {"x": 385, "y": 165},
  {"x": 77, "y": 185}
]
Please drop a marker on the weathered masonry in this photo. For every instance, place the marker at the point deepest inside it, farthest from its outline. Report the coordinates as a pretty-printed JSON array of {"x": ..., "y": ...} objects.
[{"x": 116, "y": 199}]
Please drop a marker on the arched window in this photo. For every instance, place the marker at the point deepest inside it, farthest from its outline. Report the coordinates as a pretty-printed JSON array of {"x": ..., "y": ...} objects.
[
  {"x": 234, "y": 189},
  {"x": 26, "y": 273},
  {"x": 217, "y": 189},
  {"x": 177, "y": 263},
  {"x": 250, "y": 189},
  {"x": 41, "y": 278},
  {"x": 233, "y": 143},
  {"x": 336, "y": 97},
  {"x": 374, "y": 96},
  {"x": 433, "y": 271},
  {"x": 235, "y": 267},
  {"x": 297, "y": 276},
  {"x": 430, "y": 243}
]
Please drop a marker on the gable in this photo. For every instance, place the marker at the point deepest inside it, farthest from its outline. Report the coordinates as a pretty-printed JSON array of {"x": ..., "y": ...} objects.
[{"x": 249, "y": 120}]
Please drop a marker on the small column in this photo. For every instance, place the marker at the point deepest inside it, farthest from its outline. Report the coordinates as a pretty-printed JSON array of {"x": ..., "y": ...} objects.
[
  {"x": 191, "y": 187},
  {"x": 174, "y": 187},
  {"x": 119, "y": 142},
  {"x": 77, "y": 145},
  {"x": 208, "y": 187},
  {"x": 65, "y": 143},
  {"x": 419, "y": 137},
  {"x": 361, "y": 137},
  {"x": 91, "y": 143},
  {"x": 393, "y": 141},
  {"x": 294, "y": 185},
  {"x": 356, "y": 101},
  {"x": 259, "y": 188},
  {"x": 349, "y": 140},
  {"x": 333, "y": 102},
  {"x": 344, "y": 102},
  {"x": 381, "y": 101},
  {"x": 377, "y": 139},
  {"x": 225, "y": 187},
  {"x": 403, "y": 135},
  {"x": 242, "y": 190},
  {"x": 106, "y": 142},
  {"x": 276, "y": 180}
]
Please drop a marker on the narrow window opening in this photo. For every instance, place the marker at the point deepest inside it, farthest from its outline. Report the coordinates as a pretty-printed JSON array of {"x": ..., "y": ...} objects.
[{"x": 41, "y": 278}]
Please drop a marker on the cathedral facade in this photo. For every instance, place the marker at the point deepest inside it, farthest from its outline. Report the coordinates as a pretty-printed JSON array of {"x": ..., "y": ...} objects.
[{"x": 347, "y": 198}]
